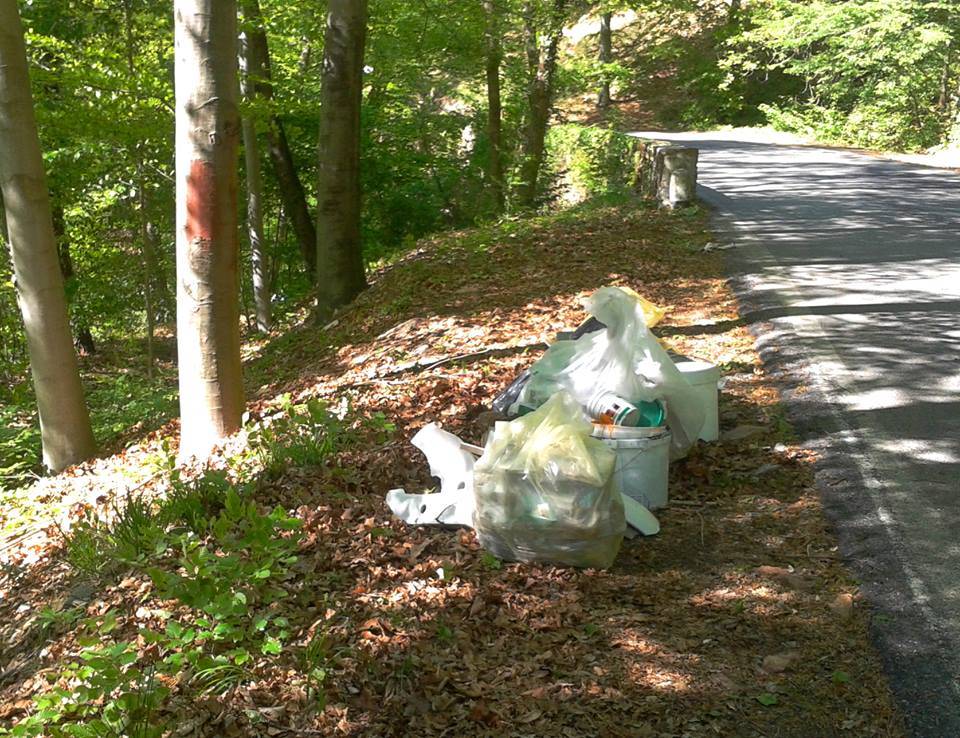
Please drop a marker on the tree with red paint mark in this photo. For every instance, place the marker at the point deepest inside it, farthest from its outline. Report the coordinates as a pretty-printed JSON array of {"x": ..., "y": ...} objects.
[{"x": 208, "y": 314}]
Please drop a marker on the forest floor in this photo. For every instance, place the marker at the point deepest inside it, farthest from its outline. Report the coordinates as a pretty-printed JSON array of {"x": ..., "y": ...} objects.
[{"x": 738, "y": 619}]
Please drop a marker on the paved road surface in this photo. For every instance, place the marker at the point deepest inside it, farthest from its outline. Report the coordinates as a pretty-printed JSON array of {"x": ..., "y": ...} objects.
[{"x": 850, "y": 267}]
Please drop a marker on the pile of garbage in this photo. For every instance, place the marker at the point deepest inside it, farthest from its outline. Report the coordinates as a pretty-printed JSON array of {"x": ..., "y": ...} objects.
[{"x": 582, "y": 454}]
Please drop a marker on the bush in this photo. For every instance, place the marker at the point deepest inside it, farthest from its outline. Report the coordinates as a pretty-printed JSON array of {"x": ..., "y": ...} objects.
[{"x": 584, "y": 162}]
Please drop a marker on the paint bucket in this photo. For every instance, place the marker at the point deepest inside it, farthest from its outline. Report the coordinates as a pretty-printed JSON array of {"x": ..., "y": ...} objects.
[
  {"x": 704, "y": 379},
  {"x": 642, "y": 468}
]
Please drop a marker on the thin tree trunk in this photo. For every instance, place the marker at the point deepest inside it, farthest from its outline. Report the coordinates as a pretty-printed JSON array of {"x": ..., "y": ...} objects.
[
  {"x": 539, "y": 101},
  {"x": 606, "y": 56},
  {"x": 291, "y": 189},
  {"x": 251, "y": 152},
  {"x": 146, "y": 245},
  {"x": 208, "y": 312},
  {"x": 494, "y": 106},
  {"x": 149, "y": 264},
  {"x": 83, "y": 338},
  {"x": 65, "y": 430},
  {"x": 339, "y": 255},
  {"x": 943, "y": 101}
]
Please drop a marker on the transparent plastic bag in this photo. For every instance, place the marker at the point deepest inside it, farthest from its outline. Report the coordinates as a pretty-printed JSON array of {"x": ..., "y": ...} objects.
[
  {"x": 625, "y": 359},
  {"x": 544, "y": 490}
]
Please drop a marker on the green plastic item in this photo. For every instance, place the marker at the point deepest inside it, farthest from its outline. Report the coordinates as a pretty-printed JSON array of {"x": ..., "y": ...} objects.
[{"x": 652, "y": 414}]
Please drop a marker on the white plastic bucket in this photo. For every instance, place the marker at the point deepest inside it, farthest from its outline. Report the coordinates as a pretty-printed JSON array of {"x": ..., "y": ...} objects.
[
  {"x": 704, "y": 378},
  {"x": 642, "y": 470}
]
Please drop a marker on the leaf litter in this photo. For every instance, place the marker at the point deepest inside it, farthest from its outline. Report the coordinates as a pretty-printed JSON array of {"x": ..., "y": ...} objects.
[{"x": 735, "y": 620}]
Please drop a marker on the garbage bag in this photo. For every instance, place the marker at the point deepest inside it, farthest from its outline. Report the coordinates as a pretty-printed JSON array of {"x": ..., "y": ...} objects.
[
  {"x": 544, "y": 490},
  {"x": 505, "y": 402},
  {"x": 626, "y": 359}
]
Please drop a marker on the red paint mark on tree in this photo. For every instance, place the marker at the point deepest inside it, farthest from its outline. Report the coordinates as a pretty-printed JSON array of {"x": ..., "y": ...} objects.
[{"x": 201, "y": 202}]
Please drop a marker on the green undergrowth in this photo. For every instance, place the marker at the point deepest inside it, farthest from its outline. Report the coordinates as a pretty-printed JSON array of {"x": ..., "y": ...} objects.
[
  {"x": 121, "y": 402},
  {"x": 220, "y": 566}
]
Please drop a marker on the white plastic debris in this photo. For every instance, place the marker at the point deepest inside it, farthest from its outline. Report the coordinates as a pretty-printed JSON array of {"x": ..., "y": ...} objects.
[
  {"x": 639, "y": 517},
  {"x": 452, "y": 464}
]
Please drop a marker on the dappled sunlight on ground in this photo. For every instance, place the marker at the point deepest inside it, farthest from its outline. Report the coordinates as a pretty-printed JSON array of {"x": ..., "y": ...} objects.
[{"x": 428, "y": 635}]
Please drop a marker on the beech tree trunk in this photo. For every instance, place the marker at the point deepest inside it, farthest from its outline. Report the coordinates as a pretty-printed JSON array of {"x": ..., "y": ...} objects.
[
  {"x": 208, "y": 311},
  {"x": 65, "y": 430},
  {"x": 291, "y": 189},
  {"x": 251, "y": 152},
  {"x": 340, "y": 273},
  {"x": 606, "y": 56},
  {"x": 543, "y": 62},
  {"x": 494, "y": 106}
]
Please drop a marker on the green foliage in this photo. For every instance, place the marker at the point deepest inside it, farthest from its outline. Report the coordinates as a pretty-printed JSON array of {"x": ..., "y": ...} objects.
[
  {"x": 118, "y": 402},
  {"x": 228, "y": 580},
  {"x": 105, "y": 693},
  {"x": 98, "y": 544},
  {"x": 870, "y": 73},
  {"x": 586, "y": 162},
  {"x": 307, "y": 435},
  {"x": 302, "y": 435}
]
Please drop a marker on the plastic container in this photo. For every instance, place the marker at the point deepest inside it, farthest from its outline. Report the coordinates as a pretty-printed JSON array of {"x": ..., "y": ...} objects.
[
  {"x": 642, "y": 470},
  {"x": 610, "y": 408},
  {"x": 613, "y": 408},
  {"x": 704, "y": 378},
  {"x": 620, "y": 432}
]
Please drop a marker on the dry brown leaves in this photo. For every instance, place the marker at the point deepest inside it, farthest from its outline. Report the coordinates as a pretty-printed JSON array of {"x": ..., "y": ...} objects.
[{"x": 734, "y": 621}]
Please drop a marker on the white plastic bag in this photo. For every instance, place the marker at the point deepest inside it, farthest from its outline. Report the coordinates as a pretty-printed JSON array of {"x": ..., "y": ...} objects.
[
  {"x": 626, "y": 359},
  {"x": 544, "y": 490}
]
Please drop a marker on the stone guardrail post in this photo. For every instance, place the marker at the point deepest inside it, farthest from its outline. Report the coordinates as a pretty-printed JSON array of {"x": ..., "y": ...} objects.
[{"x": 667, "y": 173}]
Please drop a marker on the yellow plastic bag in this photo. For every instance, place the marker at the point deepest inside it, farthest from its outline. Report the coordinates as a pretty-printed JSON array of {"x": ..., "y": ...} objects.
[
  {"x": 544, "y": 491},
  {"x": 652, "y": 314}
]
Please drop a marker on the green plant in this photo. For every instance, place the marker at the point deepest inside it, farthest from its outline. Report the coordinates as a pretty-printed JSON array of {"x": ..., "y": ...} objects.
[
  {"x": 195, "y": 503},
  {"x": 106, "y": 693},
  {"x": 231, "y": 580},
  {"x": 307, "y": 435},
  {"x": 131, "y": 530},
  {"x": 314, "y": 660}
]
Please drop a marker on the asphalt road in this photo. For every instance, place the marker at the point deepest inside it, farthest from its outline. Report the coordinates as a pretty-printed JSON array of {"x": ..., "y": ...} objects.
[{"x": 848, "y": 266}]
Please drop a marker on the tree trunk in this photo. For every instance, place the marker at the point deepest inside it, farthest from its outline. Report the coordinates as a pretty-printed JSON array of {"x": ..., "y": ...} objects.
[
  {"x": 291, "y": 189},
  {"x": 539, "y": 101},
  {"x": 606, "y": 56},
  {"x": 208, "y": 312},
  {"x": 149, "y": 266},
  {"x": 65, "y": 429},
  {"x": 146, "y": 243},
  {"x": 251, "y": 153},
  {"x": 494, "y": 106},
  {"x": 83, "y": 337},
  {"x": 339, "y": 255}
]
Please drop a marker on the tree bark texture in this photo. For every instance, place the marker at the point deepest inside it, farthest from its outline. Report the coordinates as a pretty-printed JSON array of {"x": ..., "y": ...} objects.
[
  {"x": 65, "y": 430},
  {"x": 340, "y": 272},
  {"x": 251, "y": 151},
  {"x": 291, "y": 189},
  {"x": 539, "y": 100},
  {"x": 606, "y": 56},
  {"x": 494, "y": 106},
  {"x": 208, "y": 313}
]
